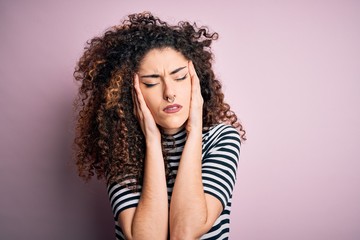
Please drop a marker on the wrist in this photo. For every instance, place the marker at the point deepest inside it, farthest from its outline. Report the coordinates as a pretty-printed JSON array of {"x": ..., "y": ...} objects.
[
  {"x": 153, "y": 140},
  {"x": 194, "y": 132},
  {"x": 194, "y": 129}
]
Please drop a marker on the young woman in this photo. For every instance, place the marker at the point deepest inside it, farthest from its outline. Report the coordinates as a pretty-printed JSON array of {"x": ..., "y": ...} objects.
[{"x": 153, "y": 122}]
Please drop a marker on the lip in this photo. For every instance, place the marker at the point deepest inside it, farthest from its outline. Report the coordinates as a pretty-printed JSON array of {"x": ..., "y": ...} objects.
[{"x": 172, "y": 108}]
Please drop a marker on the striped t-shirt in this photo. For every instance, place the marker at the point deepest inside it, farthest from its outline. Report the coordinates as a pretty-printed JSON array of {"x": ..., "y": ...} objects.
[{"x": 220, "y": 155}]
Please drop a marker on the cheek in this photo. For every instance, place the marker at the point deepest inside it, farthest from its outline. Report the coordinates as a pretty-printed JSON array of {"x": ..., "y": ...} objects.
[{"x": 152, "y": 102}]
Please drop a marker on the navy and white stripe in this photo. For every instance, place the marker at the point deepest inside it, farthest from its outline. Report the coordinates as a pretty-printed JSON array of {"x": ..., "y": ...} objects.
[{"x": 220, "y": 155}]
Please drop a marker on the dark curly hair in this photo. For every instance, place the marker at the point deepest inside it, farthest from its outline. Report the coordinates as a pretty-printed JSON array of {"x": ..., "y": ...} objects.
[{"x": 109, "y": 141}]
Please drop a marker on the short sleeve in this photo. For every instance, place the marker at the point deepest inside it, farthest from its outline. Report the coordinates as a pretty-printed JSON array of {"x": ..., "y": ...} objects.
[
  {"x": 220, "y": 162},
  {"x": 122, "y": 198}
]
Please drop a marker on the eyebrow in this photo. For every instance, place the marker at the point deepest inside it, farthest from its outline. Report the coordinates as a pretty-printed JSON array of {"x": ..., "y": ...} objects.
[{"x": 157, "y": 75}]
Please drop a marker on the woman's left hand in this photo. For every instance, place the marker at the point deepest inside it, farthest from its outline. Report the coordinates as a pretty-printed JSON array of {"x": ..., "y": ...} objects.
[{"x": 194, "y": 122}]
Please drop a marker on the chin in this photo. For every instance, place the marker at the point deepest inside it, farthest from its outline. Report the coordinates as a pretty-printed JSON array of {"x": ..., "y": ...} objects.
[{"x": 173, "y": 125}]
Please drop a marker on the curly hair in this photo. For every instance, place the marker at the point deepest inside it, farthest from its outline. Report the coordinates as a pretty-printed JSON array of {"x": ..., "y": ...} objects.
[{"x": 109, "y": 141}]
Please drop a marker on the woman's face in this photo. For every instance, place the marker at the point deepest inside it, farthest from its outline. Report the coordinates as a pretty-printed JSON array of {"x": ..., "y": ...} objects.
[{"x": 166, "y": 86}]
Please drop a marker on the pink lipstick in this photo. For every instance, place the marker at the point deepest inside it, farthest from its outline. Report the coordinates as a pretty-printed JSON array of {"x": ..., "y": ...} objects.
[{"x": 172, "y": 108}]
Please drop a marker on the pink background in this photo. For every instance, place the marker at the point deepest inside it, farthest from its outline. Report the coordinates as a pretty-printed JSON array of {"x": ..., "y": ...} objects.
[{"x": 290, "y": 69}]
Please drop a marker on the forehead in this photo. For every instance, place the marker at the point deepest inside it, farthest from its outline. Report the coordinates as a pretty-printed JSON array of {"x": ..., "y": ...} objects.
[{"x": 162, "y": 59}]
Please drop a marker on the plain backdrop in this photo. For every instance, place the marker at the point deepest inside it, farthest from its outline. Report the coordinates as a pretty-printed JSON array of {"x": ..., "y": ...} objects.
[{"x": 290, "y": 69}]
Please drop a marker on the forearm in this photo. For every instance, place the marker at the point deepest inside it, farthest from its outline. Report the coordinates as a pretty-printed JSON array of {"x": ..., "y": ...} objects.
[
  {"x": 151, "y": 216},
  {"x": 188, "y": 211}
]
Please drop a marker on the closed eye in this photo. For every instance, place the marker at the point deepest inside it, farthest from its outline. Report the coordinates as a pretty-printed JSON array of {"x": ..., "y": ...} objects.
[
  {"x": 148, "y": 85},
  {"x": 182, "y": 78}
]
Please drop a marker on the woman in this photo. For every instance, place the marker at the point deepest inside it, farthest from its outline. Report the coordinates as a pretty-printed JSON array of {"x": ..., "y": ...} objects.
[{"x": 153, "y": 122}]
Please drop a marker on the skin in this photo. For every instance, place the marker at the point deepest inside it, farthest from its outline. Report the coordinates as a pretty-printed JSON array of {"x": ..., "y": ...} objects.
[
  {"x": 192, "y": 212},
  {"x": 164, "y": 73}
]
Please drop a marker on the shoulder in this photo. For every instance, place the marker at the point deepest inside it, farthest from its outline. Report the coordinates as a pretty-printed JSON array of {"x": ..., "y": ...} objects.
[
  {"x": 221, "y": 138},
  {"x": 221, "y": 131}
]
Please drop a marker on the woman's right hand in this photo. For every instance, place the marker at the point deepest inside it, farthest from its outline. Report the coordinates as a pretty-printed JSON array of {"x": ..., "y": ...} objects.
[{"x": 143, "y": 114}]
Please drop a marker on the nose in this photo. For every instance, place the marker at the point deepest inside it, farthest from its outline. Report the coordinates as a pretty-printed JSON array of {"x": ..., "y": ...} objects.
[{"x": 169, "y": 93}]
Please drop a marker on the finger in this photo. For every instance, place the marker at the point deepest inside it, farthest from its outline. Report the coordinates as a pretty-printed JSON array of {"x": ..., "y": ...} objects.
[
  {"x": 195, "y": 81},
  {"x": 192, "y": 70},
  {"x": 137, "y": 110},
  {"x": 144, "y": 112},
  {"x": 140, "y": 97}
]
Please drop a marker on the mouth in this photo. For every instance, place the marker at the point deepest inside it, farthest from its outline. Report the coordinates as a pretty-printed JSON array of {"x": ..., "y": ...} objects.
[{"x": 172, "y": 108}]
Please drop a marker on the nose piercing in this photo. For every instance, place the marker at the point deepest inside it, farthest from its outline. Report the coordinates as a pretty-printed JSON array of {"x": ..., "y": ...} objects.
[{"x": 170, "y": 100}]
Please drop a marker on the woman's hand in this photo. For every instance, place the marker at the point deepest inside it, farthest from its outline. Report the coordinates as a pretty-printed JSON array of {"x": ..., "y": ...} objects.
[
  {"x": 143, "y": 114},
  {"x": 196, "y": 103}
]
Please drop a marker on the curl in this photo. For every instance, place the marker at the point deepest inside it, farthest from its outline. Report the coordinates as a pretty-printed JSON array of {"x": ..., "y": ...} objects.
[{"x": 109, "y": 142}]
